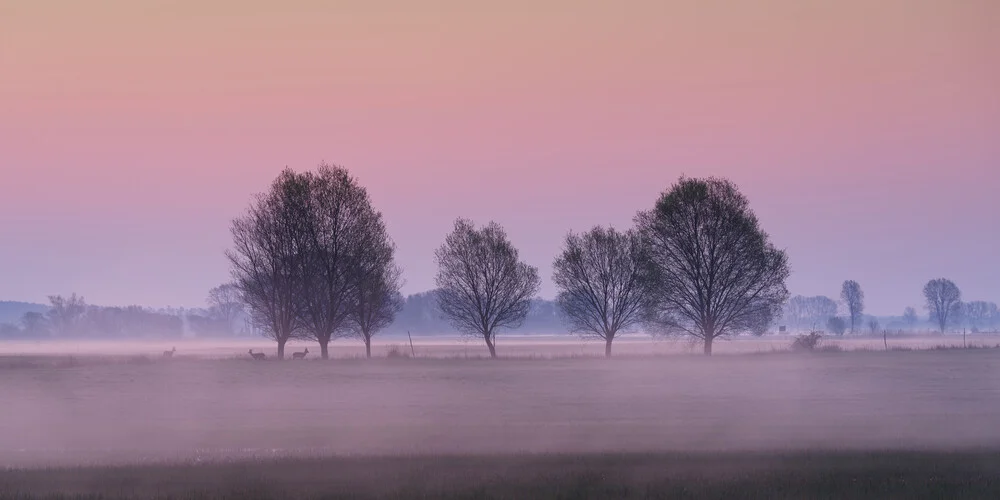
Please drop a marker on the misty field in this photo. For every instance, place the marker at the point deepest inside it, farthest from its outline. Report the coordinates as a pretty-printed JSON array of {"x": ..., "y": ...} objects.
[{"x": 418, "y": 426}]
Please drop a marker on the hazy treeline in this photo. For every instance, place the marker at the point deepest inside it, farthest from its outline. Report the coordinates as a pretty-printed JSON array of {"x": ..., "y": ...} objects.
[
  {"x": 312, "y": 259},
  {"x": 943, "y": 304},
  {"x": 419, "y": 316},
  {"x": 71, "y": 317}
]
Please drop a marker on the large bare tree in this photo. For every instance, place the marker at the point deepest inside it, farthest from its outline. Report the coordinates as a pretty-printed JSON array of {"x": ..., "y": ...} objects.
[
  {"x": 225, "y": 304},
  {"x": 377, "y": 279},
  {"x": 854, "y": 300},
  {"x": 601, "y": 277},
  {"x": 944, "y": 301},
  {"x": 482, "y": 286},
  {"x": 714, "y": 271},
  {"x": 268, "y": 259},
  {"x": 337, "y": 230}
]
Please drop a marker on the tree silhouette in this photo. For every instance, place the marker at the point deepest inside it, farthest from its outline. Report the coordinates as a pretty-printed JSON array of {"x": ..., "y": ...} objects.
[
  {"x": 600, "y": 276},
  {"x": 943, "y": 301},
  {"x": 854, "y": 299},
  {"x": 482, "y": 286},
  {"x": 713, "y": 271}
]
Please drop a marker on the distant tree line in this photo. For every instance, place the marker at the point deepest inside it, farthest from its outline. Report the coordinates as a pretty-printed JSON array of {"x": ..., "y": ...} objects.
[
  {"x": 312, "y": 260},
  {"x": 942, "y": 301},
  {"x": 72, "y": 318}
]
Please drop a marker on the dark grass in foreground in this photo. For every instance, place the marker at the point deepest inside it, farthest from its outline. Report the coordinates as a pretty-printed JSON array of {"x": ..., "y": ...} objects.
[{"x": 880, "y": 475}]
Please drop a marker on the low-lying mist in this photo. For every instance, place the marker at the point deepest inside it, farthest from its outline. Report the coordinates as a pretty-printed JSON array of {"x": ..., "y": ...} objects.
[{"x": 183, "y": 408}]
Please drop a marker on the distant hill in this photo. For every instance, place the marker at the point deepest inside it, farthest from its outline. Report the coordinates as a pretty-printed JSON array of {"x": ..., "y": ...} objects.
[{"x": 11, "y": 312}]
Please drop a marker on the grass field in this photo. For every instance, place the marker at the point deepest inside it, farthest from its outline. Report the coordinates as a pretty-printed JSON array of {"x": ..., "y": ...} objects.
[
  {"x": 571, "y": 425},
  {"x": 833, "y": 475}
]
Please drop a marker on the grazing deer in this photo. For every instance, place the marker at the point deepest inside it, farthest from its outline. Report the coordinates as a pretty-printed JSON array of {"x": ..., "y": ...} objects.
[
  {"x": 170, "y": 353},
  {"x": 300, "y": 355},
  {"x": 258, "y": 355}
]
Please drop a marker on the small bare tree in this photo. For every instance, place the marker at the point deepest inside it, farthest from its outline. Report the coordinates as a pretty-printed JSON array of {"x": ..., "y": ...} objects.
[
  {"x": 944, "y": 301},
  {"x": 714, "y": 271},
  {"x": 267, "y": 259},
  {"x": 35, "y": 324},
  {"x": 600, "y": 276},
  {"x": 66, "y": 314},
  {"x": 873, "y": 325},
  {"x": 979, "y": 313},
  {"x": 482, "y": 286},
  {"x": 809, "y": 312},
  {"x": 854, "y": 300},
  {"x": 225, "y": 304},
  {"x": 910, "y": 317},
  {"x": 377, "y": 280}
]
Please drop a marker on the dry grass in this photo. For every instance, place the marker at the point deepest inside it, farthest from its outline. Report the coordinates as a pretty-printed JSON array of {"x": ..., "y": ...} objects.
[
  {"x": 539, "y": 347},
  {"x": 915, "y": 475}
]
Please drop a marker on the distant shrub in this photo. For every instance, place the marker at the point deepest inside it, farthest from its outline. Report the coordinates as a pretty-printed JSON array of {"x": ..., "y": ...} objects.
[
  {"x": 806, "y": 342},
  {"x": 68, "y": 362},
  {"x": 139, "y": 360},
  {"x": 396, "y": 352},
  {"x": 836, "y": 325}
]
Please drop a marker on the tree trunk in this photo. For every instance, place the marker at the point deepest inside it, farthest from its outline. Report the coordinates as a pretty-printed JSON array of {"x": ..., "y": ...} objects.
[
  {"x": 708, "y": 345},
  {"x": 884, "y": 341},
  {"x": 281, "y": 348},
  {"x": 324, "y": 348},
  {"x": 489, "y": 343},
  {"x": 607, "y": 347},
  {"x": 368, "y": 346}
]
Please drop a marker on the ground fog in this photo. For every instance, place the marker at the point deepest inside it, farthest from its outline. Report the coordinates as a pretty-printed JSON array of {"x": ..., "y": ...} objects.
[{"x": 138, "y": 409}]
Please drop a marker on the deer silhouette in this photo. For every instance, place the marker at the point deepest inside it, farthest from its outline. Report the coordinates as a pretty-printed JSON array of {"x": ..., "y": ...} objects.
[
  {"x": 300, "y": 355},
  {"x": 258, "y": 355},
  {"x": 170, "y": 353}
]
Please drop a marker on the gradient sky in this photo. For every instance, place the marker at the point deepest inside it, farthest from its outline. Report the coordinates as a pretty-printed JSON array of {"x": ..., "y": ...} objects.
[{"x": 865, "y": 132}]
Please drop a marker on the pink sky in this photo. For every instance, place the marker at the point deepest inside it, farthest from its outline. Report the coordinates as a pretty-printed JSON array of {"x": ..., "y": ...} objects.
[{"x": 864, "y": 132}]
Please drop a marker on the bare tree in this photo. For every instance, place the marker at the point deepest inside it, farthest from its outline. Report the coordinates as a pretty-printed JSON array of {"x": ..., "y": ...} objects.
[
  {"x": 341, "y": 229},
  {"x": 979, "y": 314},
  {"x": 66, "y": 313},
  {"x": 943, "y": 301},
  {"x": 268, "y": 261},
  {"x": 482, "y": 286},
  {"x": 225, "y": 304},
  {"x": 34, "y": 324},
  {"x": 714, "y": 270},
  {"x": 600, "y": 276},
  {"x": 854, "y": 299},
  {"x": 873, "y": 325},
  {"x": 377, "y": 280},
  {"x": 910, "y": 317},
  {"x": 809, "y": 312}
]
